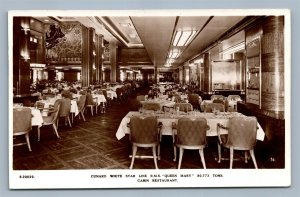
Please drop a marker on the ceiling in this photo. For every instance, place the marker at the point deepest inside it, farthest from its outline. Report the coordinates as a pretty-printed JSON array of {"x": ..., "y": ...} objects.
[{"x": 156, "y": 33}]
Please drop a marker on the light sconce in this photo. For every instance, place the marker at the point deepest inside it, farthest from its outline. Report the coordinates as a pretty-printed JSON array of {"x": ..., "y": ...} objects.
[
  {"x": 25, "y": 55},
  {"x": 183, "y": 38}
]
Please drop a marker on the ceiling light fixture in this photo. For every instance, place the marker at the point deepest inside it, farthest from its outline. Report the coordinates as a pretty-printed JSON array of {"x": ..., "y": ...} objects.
[
  {"x": 170, "y": 61},
  {"x": 125, "y": 24},
  {"x": 183, "y": 38},
  {"x": 173, "y": 54}
]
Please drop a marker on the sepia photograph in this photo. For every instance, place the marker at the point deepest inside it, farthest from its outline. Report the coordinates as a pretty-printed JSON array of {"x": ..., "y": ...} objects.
[{"x": 149, "y": 98}]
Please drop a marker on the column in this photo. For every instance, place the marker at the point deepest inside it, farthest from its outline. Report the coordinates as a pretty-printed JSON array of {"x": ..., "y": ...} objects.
[
  {"x": 99, "y": 59},
  {"x": 272, "y": 66},
  {"x": 207, "y": 73},
  {"x": 88, "y": 56},
  {"x": 113, "y": 62},
  {"x": 21, "y": 55}
]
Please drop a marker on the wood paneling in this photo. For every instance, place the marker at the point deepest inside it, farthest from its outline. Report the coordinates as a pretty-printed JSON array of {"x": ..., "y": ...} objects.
[
  {"x": 133, "y": 56},
  {"x": 207, "y": 73},
  {"x": 272, "y": 47}
]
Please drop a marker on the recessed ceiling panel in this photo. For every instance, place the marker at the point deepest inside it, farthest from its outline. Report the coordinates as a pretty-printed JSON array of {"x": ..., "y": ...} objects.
[
  {"x": 216, "y": 27},
  {"x": 156, "y": 35}
]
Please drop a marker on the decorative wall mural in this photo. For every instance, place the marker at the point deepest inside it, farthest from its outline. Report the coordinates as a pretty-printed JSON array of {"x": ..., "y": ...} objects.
[
  {"x": 63, "y": 42},
  {"x": 54, "y": 36},
  {"x": 106, "y": 51}
]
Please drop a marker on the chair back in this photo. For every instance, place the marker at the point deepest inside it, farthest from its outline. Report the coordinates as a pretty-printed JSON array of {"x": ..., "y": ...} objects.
[
  {"x": 81, "y": 102},
  {"x": 210, "y": 107},
  {"x": 242, "y": 132},
  {"x": 151, "y": 106},
  {"x": 140, "y": 98},
  {"x": 144, "y": 130},
  {"x": 185, "y": 107},
  {"x": 54, "y": 114},
  {"x": 21, "y": 120},
  {"x": 56, "y": 103},
  {"x": 219, "y": 97},
  {"x": 218, "y": 101},
  {"x": 195, "y": 100},
  {"x": 177, "y": 98},
  {"x": 191, "y": 132},
  {"x": 119, "y": 92},
  {"x": 234, "y": 98},
  {"x": 65, "y": 107},
  {"x": 89, "y": 99}
]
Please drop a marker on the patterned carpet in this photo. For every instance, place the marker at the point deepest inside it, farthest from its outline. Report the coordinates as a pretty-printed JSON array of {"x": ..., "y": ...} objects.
[{"x": 93, "y": 145}]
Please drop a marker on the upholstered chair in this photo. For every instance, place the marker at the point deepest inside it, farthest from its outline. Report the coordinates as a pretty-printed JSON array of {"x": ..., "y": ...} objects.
[
  {"x": 195, "y": 100},
  {"x": 210, "y": 107},
  {"x": 51, "y": 119},
  {"x": 191, "y": 134},
  {"x": 151, "y": 106},
  {"x": 64, "y": 111},
  {"x": 185, "y": 107},
  {"x": 241, "y": 136},
  {"x": 144, "y": 132},
  {"x": 22, "y": 124}
]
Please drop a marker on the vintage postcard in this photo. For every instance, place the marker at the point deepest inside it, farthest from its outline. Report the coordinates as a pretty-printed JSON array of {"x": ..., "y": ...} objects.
[{"x": 149, "y": 98}]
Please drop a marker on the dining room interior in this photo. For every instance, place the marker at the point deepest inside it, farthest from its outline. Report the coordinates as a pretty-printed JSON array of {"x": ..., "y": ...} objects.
[{"x": 148, "y": 92}]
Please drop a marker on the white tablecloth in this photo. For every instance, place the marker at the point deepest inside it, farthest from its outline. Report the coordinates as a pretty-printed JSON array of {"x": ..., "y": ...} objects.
[
  {"x": 100, "y": 98},
  {"x": 37, "y": 119},
  {"x": 167, "y": 120},
  {"x": 111, "y": 94}
]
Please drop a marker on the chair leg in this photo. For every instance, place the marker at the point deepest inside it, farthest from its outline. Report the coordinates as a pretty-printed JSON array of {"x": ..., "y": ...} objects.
[
  {"x": 68, "y": 118},
  {"x": 82, "y": 115},
  {"x": 253, "y": 158},
  {"x": 27, "y": 141},
  {"x": 175, "y": 152},
  {"x": 104, "y": 107},
  {"x": 181, "y": 150},
  {"x": 55, "y": 130},
  {"x": 57, "y": 122},
  {"x": 134, "y": 149},
  {"x": 158, "y": 152},
  {"x": 231, "y": 157},
  {"x": 219, "y": 153},
  {"x": 201, "y": 152},
  {"x": 174, "y": 146},
  {"x": 72, "y": 117},
  {"x": 39, "y": 132},
  {"x": 154, "y": 156},
  {"x": 92, "y": 109},
  {"x": 246, "y": 156}
]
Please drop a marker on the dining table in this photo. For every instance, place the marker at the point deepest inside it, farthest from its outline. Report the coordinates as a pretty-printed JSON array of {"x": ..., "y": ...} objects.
[
  {"x": 169, "y": 119},
  {"x": 100, "y": 98}
]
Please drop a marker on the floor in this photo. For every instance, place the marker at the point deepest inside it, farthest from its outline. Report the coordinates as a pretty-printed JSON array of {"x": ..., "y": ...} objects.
[{"x": 93, "y": 145}]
